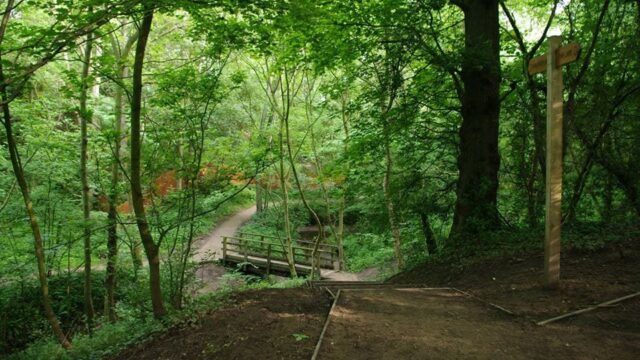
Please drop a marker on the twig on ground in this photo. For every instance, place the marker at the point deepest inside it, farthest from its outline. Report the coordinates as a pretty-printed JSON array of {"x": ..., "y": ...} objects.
[{"x": 591, "y": 308}]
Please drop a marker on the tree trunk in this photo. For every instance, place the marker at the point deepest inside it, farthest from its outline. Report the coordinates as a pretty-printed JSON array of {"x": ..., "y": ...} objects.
[
  {"x": 429, "y": 237},
  {"x": 314, "y": 258},
  {"x": 112, "y": 231},
  {"x": 285, "y": 206},
  {"x": 259, "y": 196},
  {"x": 607, "y": 210},
  {"x": 152, "y": 249},
  {"x": 26, "y": 196},
  {"x": 386, "y": 184},
  {"x": 18, "y": 172},
  {"x": 85, "y": 118},
  {"x": 479, "y": 160}
]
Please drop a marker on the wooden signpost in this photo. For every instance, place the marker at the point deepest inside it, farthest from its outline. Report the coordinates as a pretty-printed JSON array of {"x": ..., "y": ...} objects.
[{"x": 552, "y": 62}]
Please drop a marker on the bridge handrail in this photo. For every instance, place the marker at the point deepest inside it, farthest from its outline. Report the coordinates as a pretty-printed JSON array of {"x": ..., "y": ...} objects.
[
  {"x": 240, "y": 246},
  {"x": 262, "y": 243},
  {"x": 278, "y": 238}
]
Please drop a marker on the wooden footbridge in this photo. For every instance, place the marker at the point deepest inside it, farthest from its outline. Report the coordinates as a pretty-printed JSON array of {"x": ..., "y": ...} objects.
[{"x": 269, "y": 253}]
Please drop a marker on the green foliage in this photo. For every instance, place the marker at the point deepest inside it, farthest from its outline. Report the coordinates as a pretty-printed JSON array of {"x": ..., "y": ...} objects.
[
  {"x": 364, "y": 250},
  {"x": 20, "y": 306},
  {"x": 354, "y": 76},
  {"x": 300, "y": 337}
]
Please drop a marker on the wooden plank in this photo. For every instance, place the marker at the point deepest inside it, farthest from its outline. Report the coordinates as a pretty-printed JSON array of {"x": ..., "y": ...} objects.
[
  {"x": 564, "y": 55},
  {"x": 538, "y": 65},
  {"x": 567, "y": 54},
  {"x": 279, "y": 266},
  {"x": 591, "y": 308},
  {"x": 553, "y": 183},
  {"x": 316, "y": 351}
]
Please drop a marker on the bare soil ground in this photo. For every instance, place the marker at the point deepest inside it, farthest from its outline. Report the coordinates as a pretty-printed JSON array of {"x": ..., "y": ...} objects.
[
  {"x": 416, "y": 324},
  {"x": 260, "y": 325},
  {"x": 587, "y": 278},
  {"x": 440, "y": 324}
]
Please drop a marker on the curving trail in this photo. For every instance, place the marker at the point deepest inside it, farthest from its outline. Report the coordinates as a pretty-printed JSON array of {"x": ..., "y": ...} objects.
[{"x": 210, "y": 246}]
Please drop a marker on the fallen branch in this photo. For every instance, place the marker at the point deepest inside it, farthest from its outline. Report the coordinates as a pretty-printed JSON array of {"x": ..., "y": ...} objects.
[
  {"x": 486, "y": 302},
  {"x": 591, "y": 308},
  {"x": 326, "y": 325}
]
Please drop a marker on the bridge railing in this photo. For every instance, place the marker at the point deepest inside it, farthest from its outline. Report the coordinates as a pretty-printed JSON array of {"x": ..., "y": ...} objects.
[
  {"x": 302, "y": 243},
  {"x": 249, "y": 248}
]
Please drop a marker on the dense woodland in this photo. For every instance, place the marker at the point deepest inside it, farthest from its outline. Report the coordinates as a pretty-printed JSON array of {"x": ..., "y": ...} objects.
[{"x": 406, "y": 131}]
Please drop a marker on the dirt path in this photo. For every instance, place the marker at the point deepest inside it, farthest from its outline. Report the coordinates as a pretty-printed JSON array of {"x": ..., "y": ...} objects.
[{"x": 210, "y": 246}]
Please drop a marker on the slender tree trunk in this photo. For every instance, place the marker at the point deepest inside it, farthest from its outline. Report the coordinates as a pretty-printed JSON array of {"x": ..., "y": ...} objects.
[
  {"x": 345, "y": 126},
  {"x": 325, "y": 194},
  {"x": 314, "y": 259},
  {"x": 340, "y": 232},
  {"x": 152, "y": 249},
  {"x": 429, "y": 237},
  {"x": 85, "y": 118},
  {"x": 578, "y": 189},
  {"x": 112, "y": 231},
  {"x": 386, "y": 184},
  {"x": 33, "y": 220},
  {"x": 285, "y": 205},
  {"x": 479, "y": 161},
  {"x": 259, "y": 195},
  {"x": 26, "y": 195},
  {"x": 265, "y": 116},
  {"x": 607, "y": 211}
]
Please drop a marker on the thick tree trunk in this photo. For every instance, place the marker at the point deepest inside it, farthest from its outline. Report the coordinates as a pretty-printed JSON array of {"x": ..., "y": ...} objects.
[
  {"x": 479, "y": 160},
  {"x": 85, "y": 118},
  {"x": 151, "y": 248},
  {"x": 18, "y": 172}
]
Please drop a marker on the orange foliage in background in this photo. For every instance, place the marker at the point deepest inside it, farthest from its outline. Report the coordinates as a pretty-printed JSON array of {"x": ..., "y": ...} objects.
[{"x": 168, "y": 181}]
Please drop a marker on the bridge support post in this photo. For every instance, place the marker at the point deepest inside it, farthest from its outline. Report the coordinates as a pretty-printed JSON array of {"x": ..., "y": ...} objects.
[
  {"x": 244, "y": 250},
  {"x": 268, "y": 259},
  {"x": 224, "y": 250}
]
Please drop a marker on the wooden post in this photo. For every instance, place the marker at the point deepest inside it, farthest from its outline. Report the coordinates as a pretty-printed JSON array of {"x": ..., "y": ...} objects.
[
  {"x": 244, "y": 248},
  {"x": 261, "y": 241},
  {"x": 268, "y": 259},
  {"x": 552, "y": 62},
  {"x": 224, "y": 250},
  {"x": 553, "y": 216}
]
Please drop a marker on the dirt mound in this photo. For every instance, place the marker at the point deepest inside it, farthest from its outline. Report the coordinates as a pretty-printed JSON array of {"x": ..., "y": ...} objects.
[
  {"x": 286, "y": 324},
  {"x": 389, "y": 323},
  {"x": 264, "y": 324},
  {"x": 587, "y": 278}
]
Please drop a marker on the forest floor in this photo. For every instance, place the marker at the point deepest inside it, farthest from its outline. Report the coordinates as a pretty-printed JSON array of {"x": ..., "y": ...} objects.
[{"x": 390, "y": 323}]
